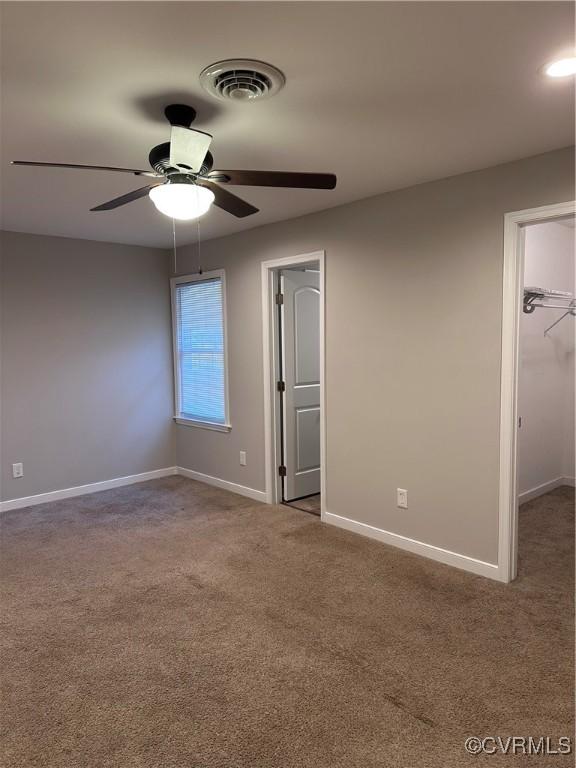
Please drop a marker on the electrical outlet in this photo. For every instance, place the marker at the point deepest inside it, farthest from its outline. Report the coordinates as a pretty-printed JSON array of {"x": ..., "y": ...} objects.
[
  {"x": 18, "y": 470},
  {"x": 402, "y": 498},
  {"x": 243, "y": 461}
]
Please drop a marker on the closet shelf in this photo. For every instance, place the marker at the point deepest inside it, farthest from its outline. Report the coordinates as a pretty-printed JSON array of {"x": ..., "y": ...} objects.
[{"x": 540, "y": 297}]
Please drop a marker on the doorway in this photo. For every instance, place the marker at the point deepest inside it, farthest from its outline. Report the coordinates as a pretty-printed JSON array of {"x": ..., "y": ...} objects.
[
  {"x": 537, "y": 362},
  {"x": 293, "y": 324},
  {"x": 546, "y": 361}
]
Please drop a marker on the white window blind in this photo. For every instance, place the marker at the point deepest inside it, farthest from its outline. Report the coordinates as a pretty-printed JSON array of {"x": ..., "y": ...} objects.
[{"x": 200, "y": 349}]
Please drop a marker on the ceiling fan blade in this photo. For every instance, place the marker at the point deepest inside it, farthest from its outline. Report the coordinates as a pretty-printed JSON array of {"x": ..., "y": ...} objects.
[
  {"x": 123, "y": 199},
  {"x": 188, "y": 148},
  {"x": 276, "y": 179},
  {"x": 86, "y": 167},
  {"x": 227, "y": 201}
]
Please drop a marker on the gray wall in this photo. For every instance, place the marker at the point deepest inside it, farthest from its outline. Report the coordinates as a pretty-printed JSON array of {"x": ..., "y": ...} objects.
[
  {"x": 413, "y": 333},
  {"x": 86, "y": 376}
]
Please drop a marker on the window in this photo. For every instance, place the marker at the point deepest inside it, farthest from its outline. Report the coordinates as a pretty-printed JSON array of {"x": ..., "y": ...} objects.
[{"x": 198, "y": 303}]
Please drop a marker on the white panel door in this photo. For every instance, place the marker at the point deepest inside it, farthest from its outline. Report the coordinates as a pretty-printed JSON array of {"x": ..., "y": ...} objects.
[{"x": 301, "y": 374}]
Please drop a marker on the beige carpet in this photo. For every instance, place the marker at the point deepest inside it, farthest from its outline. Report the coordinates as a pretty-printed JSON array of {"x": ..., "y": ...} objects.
[{"x": 174, "y": 625}]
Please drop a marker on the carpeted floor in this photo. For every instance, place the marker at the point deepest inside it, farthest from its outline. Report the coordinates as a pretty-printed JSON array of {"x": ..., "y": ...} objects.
[{"x": 175, "y": 625}]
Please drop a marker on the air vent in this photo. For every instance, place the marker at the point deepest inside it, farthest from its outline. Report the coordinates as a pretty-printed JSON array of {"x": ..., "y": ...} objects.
[{"x": 242, "y": 80}]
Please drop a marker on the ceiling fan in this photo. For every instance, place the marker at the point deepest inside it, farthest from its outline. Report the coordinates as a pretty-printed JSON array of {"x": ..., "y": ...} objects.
[{"x": 186, "y": 185}]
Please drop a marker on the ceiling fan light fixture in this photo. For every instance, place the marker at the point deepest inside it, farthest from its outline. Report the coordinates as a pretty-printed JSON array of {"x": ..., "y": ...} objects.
[{"x": 181, "y": 200}]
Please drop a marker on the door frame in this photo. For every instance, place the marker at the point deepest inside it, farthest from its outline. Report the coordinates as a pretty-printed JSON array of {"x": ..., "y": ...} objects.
[
  {"x": 512, "y": 300},
  {"x": 271, "y": 352}
]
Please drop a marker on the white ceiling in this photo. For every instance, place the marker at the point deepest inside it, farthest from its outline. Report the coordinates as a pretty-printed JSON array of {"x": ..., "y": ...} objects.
[{"x": 385, "y": 95}]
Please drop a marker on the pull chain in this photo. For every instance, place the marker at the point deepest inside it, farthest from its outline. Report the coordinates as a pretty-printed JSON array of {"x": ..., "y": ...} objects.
[
  {"x": 174, "y": 246},
  {"x": 199, "y": 254},
  {"x": 198, "y": 246}
]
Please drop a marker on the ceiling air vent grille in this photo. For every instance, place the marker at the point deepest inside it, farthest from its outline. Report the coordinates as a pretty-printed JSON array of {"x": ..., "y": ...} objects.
[
  {"x": 242, "y": 80},
  {"x": 242, "y": 84}
]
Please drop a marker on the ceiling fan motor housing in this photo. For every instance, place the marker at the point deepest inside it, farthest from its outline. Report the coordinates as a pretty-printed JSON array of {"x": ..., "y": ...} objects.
[{"x": 159, "y": 159}]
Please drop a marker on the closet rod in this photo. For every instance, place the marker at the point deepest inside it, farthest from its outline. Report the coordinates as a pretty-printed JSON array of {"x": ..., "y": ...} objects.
[{"x": 553, "y": 306}]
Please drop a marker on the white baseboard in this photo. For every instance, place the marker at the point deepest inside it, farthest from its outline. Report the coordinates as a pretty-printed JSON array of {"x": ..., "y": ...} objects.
[
  {"x": 81, "y": 490},
  {"x": 543, "y": 488},
  {"x": 105, "y": 485},
  {"x": 251, "y": 493},
  {"x": 411, "y": 545},
  {"x": 430, "y": 551}
]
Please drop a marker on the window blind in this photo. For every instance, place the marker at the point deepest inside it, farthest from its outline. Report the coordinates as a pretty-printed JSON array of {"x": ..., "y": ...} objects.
[{"x": 200, "y": 343}]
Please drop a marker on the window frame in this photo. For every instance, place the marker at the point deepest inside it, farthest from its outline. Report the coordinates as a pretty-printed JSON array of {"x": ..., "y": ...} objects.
[{"x": 179, "y": 417}]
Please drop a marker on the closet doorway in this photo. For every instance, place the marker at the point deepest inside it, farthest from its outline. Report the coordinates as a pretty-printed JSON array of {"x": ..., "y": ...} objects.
[
  {"x": 537, "y": 422},
  {"x": 293, "y": 322}
]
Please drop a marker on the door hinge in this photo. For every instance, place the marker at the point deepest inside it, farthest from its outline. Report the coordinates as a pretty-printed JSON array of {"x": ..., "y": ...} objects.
[
  {"x": 282, "y": 471},
  {"x": 281, "y": 386},
  {"x": 279, "y": 298}
]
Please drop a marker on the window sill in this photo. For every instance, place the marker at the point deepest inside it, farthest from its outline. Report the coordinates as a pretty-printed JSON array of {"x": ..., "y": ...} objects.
[{"x": 202, "y": 424}]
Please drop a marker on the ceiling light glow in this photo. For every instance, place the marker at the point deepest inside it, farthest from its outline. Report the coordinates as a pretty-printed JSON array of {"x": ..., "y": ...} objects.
[
  {"x": 180, "y": 200},
  {"x": 562, "y": 67}
]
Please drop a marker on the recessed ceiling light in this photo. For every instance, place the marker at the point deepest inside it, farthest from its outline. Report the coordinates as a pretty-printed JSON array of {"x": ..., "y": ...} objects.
[{"x": 562, "y": 67}]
